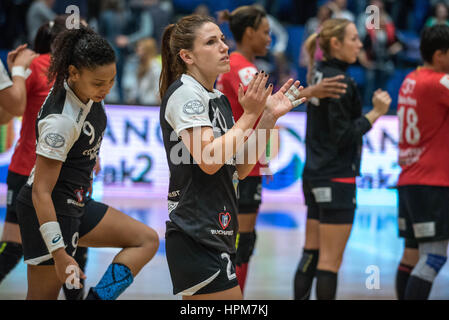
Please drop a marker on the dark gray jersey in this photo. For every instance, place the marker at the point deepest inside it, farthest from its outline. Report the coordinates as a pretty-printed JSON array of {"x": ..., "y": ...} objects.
[
  {"x": 203, "y": 206},
  {"x": 69, "y": 131}
]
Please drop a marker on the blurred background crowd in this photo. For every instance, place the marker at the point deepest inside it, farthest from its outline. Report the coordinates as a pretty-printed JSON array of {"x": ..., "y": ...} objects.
[{"x": 134, "y": 28}]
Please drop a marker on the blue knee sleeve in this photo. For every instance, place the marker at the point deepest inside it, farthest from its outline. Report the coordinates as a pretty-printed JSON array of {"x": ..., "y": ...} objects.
[
  {"x": 117, "y": 278},
  {"x": 428, "y": 266},
  {"x": 436, "y": 262}
]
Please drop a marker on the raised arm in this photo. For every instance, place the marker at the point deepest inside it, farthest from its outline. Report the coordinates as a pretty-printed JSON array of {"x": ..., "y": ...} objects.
[
  {"x": 277, "y": 105},
  {"x": 212, "y": 153},
  {"x": 13, "y": 98}
]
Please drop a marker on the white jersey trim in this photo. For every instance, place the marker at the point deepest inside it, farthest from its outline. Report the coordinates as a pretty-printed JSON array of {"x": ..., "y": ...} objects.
[{"x": 192, "y": 290}]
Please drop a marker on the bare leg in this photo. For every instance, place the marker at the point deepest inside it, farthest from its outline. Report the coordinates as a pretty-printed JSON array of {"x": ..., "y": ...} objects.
[
  {"x": 118, "y": 230},
  {"x": 43, "y": 284},
  {"x": 11, "y": 233},
  {"x": 333, "y": 239}
]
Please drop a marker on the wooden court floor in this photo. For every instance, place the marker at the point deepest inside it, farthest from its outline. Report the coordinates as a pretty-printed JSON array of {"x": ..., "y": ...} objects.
[{"x": 373, "y": 248}]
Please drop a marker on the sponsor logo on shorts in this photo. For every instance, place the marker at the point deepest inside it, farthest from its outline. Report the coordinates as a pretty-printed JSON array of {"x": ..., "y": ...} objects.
[
  {"x": 54, "y": 140},
  {"x": 401, "y": 224},
  {"x": 424, "y": 229},
  {"x": 79, "y": 193},
  {"x": 78, "y": 204},
  {"x": 9, "y": 197},
  {"x": 322, "y": 194}
]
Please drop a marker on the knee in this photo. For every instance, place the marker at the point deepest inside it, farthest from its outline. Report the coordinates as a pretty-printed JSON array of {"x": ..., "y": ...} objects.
[
  {"x": 245, "y": 246},
  {"x": 428, "y": 266},
  {"x": 150, "y": 240},
  {"x": 329, "y": 263}
]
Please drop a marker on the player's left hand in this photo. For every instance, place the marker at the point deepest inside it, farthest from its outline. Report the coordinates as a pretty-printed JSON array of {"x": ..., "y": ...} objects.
[{"x": 285, "y": 99}]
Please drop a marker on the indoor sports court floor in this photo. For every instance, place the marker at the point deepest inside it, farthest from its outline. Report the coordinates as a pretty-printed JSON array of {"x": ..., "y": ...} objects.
[{"x": 373, "y": 249}]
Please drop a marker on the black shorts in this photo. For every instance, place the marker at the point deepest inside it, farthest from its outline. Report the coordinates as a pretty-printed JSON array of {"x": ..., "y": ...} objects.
[
  {"x": 423, "y": 212},
  {"x": 250, "y": 194},
  {"x": 197, "y": 269},
  {"x": 72, "y": 228},
  {"x": 330, "y": 202},
  {"x": 15, "y": 182}
]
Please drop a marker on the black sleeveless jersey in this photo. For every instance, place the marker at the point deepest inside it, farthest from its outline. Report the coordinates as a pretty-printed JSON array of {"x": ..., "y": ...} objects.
[
  {"x": 69, "y": 131},
  {"x": 201, "y": 205}
]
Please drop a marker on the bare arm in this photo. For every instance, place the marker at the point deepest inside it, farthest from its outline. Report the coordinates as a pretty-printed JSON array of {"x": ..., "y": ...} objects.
[
  {"x": 13, "y": 99},
  {"x": 277, "y": 105},
  {"x": 212, "y": 153},
  {"x": 45, "y": 177},
  {"x": 5, "y": 117}
]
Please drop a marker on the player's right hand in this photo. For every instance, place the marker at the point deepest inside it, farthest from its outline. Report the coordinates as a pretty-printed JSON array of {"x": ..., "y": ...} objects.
[
  {"x": 67, "y": 269},
  {"x": 381, "y": 101},
  {"x": 254, "y": 99}
]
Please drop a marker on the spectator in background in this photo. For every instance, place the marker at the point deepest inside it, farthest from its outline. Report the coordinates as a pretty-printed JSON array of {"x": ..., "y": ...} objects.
[
  {"x": 12, "y": 27},
  {"x": 340, "y": 11},
  {"x": 302, "y": 11},
  {"x": 440, "y": 15},
  {"x": 141, "y": 76},
  {"x": 275, "y": 62},
  {"x": 379, "y": 48},
  {"x": 161, "y": 13},
  {"x": 112, "y": 23},
  {"x": 135, "y": 23},
  {"x": 39, "y": 13},
  {"x": 313, "y": 25}
]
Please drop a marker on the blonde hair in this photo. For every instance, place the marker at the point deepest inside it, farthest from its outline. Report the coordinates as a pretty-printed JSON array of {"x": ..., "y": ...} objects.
[
  {"x": 149, "y": 49},
  {"x": 329, "y": 29}
]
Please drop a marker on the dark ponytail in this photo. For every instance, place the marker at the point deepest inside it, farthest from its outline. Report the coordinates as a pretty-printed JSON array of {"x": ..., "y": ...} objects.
[
  {"x": 176, "y": 37},
  {"x": 167, "y": 74},
  {"x": 82, "y": 48},
  {"x": 242, "y": 18},
  {"x": 47, "y": 34}
]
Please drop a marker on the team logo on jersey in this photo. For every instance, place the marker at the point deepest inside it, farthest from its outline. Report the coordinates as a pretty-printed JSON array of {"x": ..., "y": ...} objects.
[
  {"x": 445, "y": 81},
  {"x": 54, "y": 140},
  {"x": 193, "y": 107},
  {"x": 218, "y": 121},
  {"x": 225, "y": 219},
  {"x": 79, "y": 195},
  {"x": 246, "y": 74},
  {"x": 408, "y": 86}
]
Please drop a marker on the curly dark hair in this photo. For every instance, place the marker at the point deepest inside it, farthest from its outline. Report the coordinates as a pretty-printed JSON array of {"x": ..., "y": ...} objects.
[{"x": 82, "y": 48}]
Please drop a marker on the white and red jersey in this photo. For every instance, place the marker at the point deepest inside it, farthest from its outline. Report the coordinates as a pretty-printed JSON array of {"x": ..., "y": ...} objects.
[
  {"x": 423, "y": 113},
  {"x": 242, "y": 71}
]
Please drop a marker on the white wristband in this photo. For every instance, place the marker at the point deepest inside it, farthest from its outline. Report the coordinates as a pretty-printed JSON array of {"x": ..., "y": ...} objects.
[
  {"x": 52, "y": 235},
  {"x": 18, "y": 71}
]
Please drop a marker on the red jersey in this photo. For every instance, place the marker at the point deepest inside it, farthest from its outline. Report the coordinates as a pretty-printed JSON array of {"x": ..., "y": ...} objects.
[
  {"x": 242, "y": 71},
  {"x": 423, "y": 113},
  {"x": 37, "y": 88}
]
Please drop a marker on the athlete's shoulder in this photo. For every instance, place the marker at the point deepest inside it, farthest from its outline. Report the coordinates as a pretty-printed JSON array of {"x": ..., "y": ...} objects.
[
  {"x": 431, "y": 79},
  {"x": 185, "y": 89}
]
